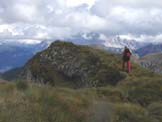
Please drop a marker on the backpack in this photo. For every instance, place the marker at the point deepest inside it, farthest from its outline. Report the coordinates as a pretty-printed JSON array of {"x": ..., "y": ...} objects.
[{"x": 126, "y": 56}]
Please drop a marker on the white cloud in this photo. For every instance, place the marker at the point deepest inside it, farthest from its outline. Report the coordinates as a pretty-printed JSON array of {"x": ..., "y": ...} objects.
[
  {"x": 29, "y": 41},
  {"x": 74, "y": 3},
  {"x": 51, "y": 19},
  {"x": 85, "y": 21},
  {"x": 26, "y": 12},
  {"x": 143, "y": 38}
]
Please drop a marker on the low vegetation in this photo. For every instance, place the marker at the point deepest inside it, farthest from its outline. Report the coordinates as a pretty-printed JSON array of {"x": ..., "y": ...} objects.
[{"x": 130, "y": 102}]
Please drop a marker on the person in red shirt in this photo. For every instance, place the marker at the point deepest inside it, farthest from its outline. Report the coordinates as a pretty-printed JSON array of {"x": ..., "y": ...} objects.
[{"x": 126, "y": 59}]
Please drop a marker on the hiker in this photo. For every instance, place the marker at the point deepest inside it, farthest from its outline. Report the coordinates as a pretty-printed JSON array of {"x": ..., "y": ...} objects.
[{"x": 126, "y": 59}]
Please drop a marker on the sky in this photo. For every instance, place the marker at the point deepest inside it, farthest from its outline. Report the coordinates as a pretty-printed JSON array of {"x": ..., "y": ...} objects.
[{"x": 31, "y": 21}]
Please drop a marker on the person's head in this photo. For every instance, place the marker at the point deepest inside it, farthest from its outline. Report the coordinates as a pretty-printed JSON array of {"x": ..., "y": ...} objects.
[{"x": 125, "y": 47}]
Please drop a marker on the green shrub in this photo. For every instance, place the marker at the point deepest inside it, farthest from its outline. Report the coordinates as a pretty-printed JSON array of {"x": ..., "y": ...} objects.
[
  {"x": 131, "y": 113},
  {"x": 155, "y": 110},
  {"x": 21, "y": 85},
  {"x": 110, "y": 93},
  {"x": 146, "y": 93}
]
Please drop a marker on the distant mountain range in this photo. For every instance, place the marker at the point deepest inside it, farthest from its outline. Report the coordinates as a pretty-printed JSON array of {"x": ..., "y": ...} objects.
[
  {"x": 149, "y": 49},
  {"x": 118, "y": 42},
  {"x": 15, "y": 55},
  {"x": 114, "y": 44}
]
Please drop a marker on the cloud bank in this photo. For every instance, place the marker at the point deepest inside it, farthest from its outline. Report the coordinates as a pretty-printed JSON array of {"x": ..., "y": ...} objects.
[{"x": 60, "y": 19}]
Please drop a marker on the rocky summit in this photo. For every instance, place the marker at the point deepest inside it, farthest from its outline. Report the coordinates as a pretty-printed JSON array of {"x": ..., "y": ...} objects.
[{"x": 64, "y": 63}]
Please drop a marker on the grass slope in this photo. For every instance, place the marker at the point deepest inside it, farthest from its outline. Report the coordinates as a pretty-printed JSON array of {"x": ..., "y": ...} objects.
[{"x": 21, "y": 102}]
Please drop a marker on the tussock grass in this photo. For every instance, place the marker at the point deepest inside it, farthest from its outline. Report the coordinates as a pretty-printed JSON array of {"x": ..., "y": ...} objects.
[{"x": 43, "y": 103}]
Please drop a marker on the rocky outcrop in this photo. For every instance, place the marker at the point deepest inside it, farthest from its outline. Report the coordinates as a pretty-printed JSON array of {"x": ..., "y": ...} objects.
[
  {"x": 152, "y": 62},
  {"x": 80, "y": 66}
]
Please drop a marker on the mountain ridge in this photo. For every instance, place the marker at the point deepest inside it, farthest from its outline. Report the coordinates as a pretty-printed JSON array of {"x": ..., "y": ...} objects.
[
  {"x": 16, "y": 55},
  {"x": 83, "y": 65},
  {"x": 149, "y": 49},
  {"x": 76, "y": 65}
]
